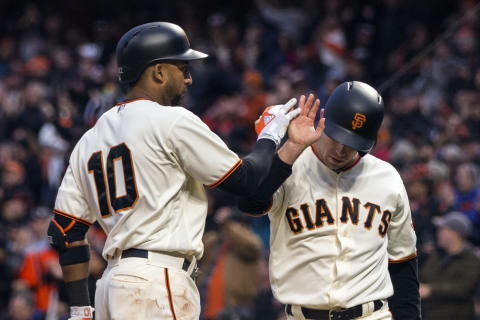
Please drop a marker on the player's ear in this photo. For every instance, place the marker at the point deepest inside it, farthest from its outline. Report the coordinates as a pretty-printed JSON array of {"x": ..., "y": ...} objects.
[{"x": 159, "y": 73}]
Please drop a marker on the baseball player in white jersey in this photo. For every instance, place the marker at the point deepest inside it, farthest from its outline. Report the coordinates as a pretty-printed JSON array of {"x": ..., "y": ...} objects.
[
  {"x": 140, "y": 173},
  {"x": 341, "y": 227}
]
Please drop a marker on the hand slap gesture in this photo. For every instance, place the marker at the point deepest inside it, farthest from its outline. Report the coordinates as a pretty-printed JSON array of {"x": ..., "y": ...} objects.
[{"x": 301, "y": 130}]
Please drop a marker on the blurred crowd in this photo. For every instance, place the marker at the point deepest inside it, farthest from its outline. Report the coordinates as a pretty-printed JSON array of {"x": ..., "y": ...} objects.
[{"x": 58, "y": 74}]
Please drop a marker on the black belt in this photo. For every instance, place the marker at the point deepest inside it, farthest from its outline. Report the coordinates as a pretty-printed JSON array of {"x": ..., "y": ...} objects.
[
  {"x": 141, "y": 253},
  {"x": 344, "y": 314}
]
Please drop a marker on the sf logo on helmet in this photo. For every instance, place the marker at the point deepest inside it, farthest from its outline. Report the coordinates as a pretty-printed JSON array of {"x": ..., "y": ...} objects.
[{"x": 358, "y": 120}]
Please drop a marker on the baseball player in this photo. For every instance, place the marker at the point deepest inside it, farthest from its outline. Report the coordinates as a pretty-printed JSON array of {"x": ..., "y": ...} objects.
[
  {"x": 140, "y": 173},
  {"x": 341, "y": 228}
]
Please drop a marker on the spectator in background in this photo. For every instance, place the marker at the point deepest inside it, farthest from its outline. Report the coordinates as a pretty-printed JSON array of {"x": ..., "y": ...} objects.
[
  {"x": 231, "y": 274},
  {"x": 40, "y": 270},
  {"x": 467, "y": 196},
  {"x": 13, "y": 176},
  {"x": 20, "y": 307},
  {"x": 254, "y": 96},
  {"x": 57, "y": 58},
  {"x": 477, "y": 303},
  {"x": 450, "y": 276},
  {"x": 6, "y": 275}
]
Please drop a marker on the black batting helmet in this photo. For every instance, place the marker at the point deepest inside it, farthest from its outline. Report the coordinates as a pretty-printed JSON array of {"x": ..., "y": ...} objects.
[
  {"x": 151, "y": 42},
  {"x": 353, "y": 115}
]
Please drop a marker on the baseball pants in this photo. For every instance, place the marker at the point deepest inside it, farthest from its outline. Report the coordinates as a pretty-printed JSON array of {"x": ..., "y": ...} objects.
[{"x": 146, "y": 288}]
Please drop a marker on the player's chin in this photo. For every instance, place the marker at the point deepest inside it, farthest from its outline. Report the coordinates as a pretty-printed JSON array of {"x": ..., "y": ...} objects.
[{"x": 336, "y": 163}]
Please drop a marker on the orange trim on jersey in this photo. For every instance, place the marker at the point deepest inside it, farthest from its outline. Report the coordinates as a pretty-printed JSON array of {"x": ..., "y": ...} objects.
[
  {"x": 58, "y": 226},
  {"x": 71, "y": 216},
  {"x": 226, "y": 175},
  {"x": 70, "y": 226},
  {"x": 61, "y": 230},
  {"x": 410, "y": 257},
  {"x": 130, "y": 101},
  {"x": 169, "y": 293},
  {"x": 262, "y": 213}
]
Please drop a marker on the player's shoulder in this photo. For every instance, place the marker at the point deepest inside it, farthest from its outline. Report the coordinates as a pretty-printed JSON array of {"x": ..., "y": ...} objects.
[
  {"x": 305, "y": 159},
  {"x": 374, "y": 163},
  {"x": 303, "y": 164},
  {"x": 371, "y": 159},
  {"x": 149, "y": 108}
]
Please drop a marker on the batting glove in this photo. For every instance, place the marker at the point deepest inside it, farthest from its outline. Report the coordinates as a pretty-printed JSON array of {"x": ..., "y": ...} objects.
[
  {"x": 81, "y": 313},
  {"x": 273, "y": 123}
]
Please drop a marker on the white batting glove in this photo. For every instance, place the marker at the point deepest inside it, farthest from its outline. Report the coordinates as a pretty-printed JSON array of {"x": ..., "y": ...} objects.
[
  {"x": 81, "y": 313},
  {"x": 276, "y": 120}
]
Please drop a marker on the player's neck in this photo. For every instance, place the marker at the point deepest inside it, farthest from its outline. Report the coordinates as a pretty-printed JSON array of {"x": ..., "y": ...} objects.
[
  {"x": 354, "y": 161},
  {"x": 140, "y": 92}
]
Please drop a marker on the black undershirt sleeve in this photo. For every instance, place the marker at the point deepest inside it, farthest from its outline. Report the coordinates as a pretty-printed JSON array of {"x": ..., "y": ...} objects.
[
  {"x": 261, "y": 200},
  {"x": 253, "y": 170},
  {"x": 405, "y": 302},
  {"x": 78, "y": 292}
]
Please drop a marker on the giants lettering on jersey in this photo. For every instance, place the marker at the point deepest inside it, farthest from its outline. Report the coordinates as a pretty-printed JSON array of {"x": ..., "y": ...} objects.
[{"x": 323, "y": 215}]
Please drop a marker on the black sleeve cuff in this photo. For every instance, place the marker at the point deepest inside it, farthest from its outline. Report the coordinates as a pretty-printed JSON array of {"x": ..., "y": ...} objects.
[{"x": 78, "y": 292}]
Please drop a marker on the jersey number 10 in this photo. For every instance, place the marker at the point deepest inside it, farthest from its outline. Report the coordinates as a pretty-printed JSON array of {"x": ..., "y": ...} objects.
[{"x": 111, "y": 199}]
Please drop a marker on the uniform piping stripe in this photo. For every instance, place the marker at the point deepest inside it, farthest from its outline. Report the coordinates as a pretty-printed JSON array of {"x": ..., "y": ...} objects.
[
  {"x": 70, "y": 226},
  {"x": 410, "y": 257},
  {"x": 58, "y": 226},
  {"x": 71, "y": 216},
  {"x": 61, "y": 230},
  {"x": 261, "y": 214},
  {"x": 170, "y": 301},
  {"x": 226, "y": 175}
]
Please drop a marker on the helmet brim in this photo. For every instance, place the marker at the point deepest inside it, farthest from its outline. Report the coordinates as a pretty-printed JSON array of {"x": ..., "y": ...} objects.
[
  {"x": 348, "y": 138},
  {"x": 188, "y": 55}
]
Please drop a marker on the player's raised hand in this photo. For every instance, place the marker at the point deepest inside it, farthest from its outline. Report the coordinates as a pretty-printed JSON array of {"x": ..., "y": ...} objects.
[{"x": 301, "y": 130}]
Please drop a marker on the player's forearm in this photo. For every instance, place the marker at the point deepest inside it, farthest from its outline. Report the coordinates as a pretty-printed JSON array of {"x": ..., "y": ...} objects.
[
  {"x": 253, "y": 170},
  {"x": 75, "y": 272},
  {"x": 261, "y": 200},
  {"x": 405, "y": 302},
  {"x": 290, "y": 151},
  {"x": 76, "y": 279}
]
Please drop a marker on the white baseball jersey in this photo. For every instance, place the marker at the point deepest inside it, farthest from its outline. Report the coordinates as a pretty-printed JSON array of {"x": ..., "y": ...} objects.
[
  {"x": 140, "y": 172},
  {"x": 332, "y": 235}
]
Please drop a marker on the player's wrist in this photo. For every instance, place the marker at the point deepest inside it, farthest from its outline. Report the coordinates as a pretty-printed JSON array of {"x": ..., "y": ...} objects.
[{"x": 290, "y": 151}]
